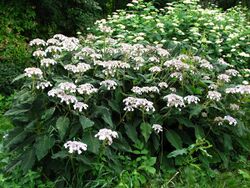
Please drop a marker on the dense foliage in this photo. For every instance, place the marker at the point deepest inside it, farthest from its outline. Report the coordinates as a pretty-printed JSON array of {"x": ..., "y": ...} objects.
[{"x": 186, "y": 27}]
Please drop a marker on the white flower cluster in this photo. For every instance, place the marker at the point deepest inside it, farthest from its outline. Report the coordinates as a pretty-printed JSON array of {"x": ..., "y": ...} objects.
[
  {"x": 191, "y": 99},
  {"x": 163, "y": 85},
  {"x": 157, "y": 128},
  {"x": 229, "y": 119},
  {"x": 224, "y": 77},
  {"x": 43, "y": 85},
  {"x": 109, "y": 84},
  {"x": 86, "y": 89},
  {"x": 241, "y": 89},
  {"x": 176, "y": 64},
  {"x": 79, "y": 106},
  {"x": 177, "y": 75},
  {"x": 79, "y": 68},
  {"x": 234, "y": 107},
  {"x": 39, "y": 53},
  {"x": 112, "y": 66},
  {"x": 107, "y": 135},
  {"x": 139, "y": 103},
  {"x": 47, "y": 62},
  {"x": 37, "y": 42},
  {"x": 214, "y": 95},
  {"x": 68, "y": 86},
  {"x": 206, "y": 64},
  {"x": 232, "y": 72},
  {"x": 146, "y": 89},
  {"x": 155, "y": 69},
  {"x": 32, "y": 71},
  {"x": 75, "y": 146},
  {"x": 174, "y": 100}
]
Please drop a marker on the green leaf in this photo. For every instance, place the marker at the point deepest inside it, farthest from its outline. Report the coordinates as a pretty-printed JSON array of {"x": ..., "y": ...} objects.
[
  {"x": 43, "y": 145},
  {"x": 195, "y": 110},
  {"x": 85, "y": 122},
  {"x": 177, "y": 152},
  {"x": 48, "y": 113},
  {"x": 28, "y": 160},
  {"x": 146, "y": 130},
  {"x": 174, "y": 139},
  {"x": 62, "y": 125},
  {"x": 92, "y": 142},
  {"x": 199, "y": 132},
  {"x": 18, "y": 78},
  {"x": 61, "y": 154},
  {"x": 185, "y": 121},
  {"x": 131, "y": 132},
  {"x": 105, "y": 115}
]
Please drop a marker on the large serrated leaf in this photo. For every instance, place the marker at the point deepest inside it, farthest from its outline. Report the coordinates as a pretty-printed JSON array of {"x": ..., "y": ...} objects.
[
  {"x": 62, "y": 125},
  {"x": 146, "y": 130},
  {"x": 43, "y": 145},
  {"x": 174, "y": 139},
  {"x": 85, "y": 122}
]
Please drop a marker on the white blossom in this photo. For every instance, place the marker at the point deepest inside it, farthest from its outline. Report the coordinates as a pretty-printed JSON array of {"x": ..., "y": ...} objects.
[
  {"x": 109, "y": 84},
  {"x": 234, "y": 107},
  {"x": 32, "y": 71},
  {"x": 47, "y": 62},
  {"x": 155, "y": 69},
  {"x": 79, "y": 106},
  {"x": 214, "y": 95},
  {"x": 43, "y": 85},
  {"x": 75, "y": 146},
  {"x": 206, "y": 64},
  {"x": 37, "y": 42},
  {"x": 86, "y": 89},
  {"x": 53, "y": 49},
  {"x": 68, "y": 86},
  {"x": 68, "y": 99},
  {"x": 163, "y": 85},
  {"x": 157, "y": 128},
  {"x": 177, "y": 75},
  {"x": 219, "y": 120},
  {"x": 224, "y": 77},
  {"x": 141, "y": 90},
  {"x": 139, "y": 103},
  {"x": 176, "y": 64},
  {"x": 174, "y": 100},
  {"x": 39, "y": 53},
  {"x": 232, "y": 72},
  {"x": 191, "y": 99},
  {"x": 230, "y": 120},
  {"x": 107, "y": 135}
]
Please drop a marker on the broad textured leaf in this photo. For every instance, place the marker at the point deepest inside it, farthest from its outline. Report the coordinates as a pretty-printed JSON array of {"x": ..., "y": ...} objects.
[
  {"x": 28, "y": 160},
  {"x": 92, "y": 142},
  {"x": 131, "y": 132},
  {"x": 174, "y": 139},
  {"x": 185, "y": 121},
  {"x": 195, "y": 110},
  {"x": 48, "y": 113},
  {"x": 146, "y": 130},
  {"x": 105, "y": 115},
  {"x": 177, "y": 152},
  {"x": 43, "y": 145},
  {"x": 62, "y": 125},
  {"x": 199, "y": 132},
  {"x": 85, "y": 122},
  {"x": 61, "y": 154}
]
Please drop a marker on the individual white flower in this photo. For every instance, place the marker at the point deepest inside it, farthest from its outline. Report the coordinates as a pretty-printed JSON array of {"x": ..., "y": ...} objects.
[
  {"x": 172, "y": 89},
  {"x": 71, "y": 68},
  {"x": 224, "y": 77},
  {"x": 53, "y": 49},
  {"x": 154, "y": 59},
  {"x": 232, "y": 72},
  {"x": 191, "y": 99},
  {"x": 75, "y": 146},
  {"x": 86, "y": 89},
  {"x": 163, "y": 85},
  {"x": 232, "y": 90},
  {"x": 55, "y": 92},
  {"x": 230, "y": 120},
  {"x": 107, "y": 135},
  {"x": 177, "y": 75},
  {"x": 162, "y": 52},
  {"x": 39, "y": 53},
  {"x": 37, "y": 42},
  {"x": 214, "y": 95},
  {"x": 174, "y": 100},
  {"x": 47, "y": 62},
  {"x": 43, "y": 85},
  {"x": 82, "y": 67},
  {"x": 79, "y": 106},
  {"x": 204, "y": 114},
  {"x": 139, "y": 103},
  {"x": 68, "y": 86},
  {"x": 157, "y": 128},
  {"x": 109, "y": 84},
  {"x": 59, "y": 37},
  {"x": 234, "y": 107},
  {"x": 155, "y": 69},
  {"x": 33, "y": 71}
]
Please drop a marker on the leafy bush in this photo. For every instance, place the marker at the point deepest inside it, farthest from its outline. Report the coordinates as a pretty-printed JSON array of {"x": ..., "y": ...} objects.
[
  {"x": 140, "y": 101},
  {"x": 185, "y": 27}
]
